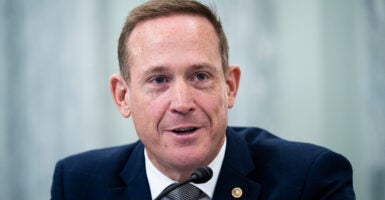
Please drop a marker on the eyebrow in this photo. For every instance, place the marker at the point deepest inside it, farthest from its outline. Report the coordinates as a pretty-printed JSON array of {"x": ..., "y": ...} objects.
[
  {"x": 163, "y": 69},
  {"x": 154, "y": 70},
  {"x": 200, "y": 66}
]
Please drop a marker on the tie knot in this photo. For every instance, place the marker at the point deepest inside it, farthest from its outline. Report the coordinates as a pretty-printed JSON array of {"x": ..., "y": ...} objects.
[{"x": 186, "y": 192}]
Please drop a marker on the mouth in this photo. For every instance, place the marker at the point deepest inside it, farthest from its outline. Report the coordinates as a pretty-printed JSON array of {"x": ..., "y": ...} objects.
[{"x": 184, "y": 131}]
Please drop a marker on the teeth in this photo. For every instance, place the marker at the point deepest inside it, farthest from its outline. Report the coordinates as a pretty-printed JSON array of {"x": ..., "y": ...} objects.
[{"x": 183, "y": 130}]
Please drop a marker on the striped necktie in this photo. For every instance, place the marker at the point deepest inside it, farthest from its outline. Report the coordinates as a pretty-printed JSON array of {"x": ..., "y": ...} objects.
[{"x": 186, "y": 192}]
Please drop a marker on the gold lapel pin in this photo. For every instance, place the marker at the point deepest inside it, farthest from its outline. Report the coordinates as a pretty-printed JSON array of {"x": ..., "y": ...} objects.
[{"x": 237, "y": 192}]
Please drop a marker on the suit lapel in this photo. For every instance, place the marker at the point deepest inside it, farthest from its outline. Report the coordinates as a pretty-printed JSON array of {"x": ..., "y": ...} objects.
[
  {"x": 236, "y": 171},
  {"x": 134, "y": 177}
]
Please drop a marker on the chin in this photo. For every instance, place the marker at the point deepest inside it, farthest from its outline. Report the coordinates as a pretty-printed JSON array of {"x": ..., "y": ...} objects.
[{"x": 190, "y": 160}]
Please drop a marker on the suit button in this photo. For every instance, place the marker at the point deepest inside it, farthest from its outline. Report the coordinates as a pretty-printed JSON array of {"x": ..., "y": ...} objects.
[{"x": 237, "y": 192}]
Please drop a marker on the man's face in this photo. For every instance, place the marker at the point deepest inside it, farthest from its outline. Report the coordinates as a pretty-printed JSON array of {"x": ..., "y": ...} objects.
[{"x": 178, "y": 95}]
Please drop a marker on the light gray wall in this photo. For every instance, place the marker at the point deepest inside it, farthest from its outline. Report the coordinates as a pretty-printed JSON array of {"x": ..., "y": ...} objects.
[{"x": 312, "y": 71}]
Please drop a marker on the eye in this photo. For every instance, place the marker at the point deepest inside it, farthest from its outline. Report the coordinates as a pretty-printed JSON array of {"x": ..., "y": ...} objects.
[
  {"x": 158, "y": 79},
  {"x": 200, "y": 76}
]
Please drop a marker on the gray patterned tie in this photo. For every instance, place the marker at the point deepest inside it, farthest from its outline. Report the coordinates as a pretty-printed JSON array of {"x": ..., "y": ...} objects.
[{"x": 186, "y": 192}]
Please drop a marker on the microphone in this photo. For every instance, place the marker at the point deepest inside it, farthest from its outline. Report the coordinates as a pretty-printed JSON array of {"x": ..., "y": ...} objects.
[{"x": 200, "y": 175}]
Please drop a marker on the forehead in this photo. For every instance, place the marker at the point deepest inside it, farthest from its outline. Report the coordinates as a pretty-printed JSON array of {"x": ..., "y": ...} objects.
[
  {"x": 174, "y": 29},
  {"x": 173, "y": 22}
]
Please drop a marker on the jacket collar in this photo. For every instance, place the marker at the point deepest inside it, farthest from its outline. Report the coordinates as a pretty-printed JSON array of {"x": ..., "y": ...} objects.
[
  {"x": 134, "y": 177},
  {"x": 237, "y": 171}
]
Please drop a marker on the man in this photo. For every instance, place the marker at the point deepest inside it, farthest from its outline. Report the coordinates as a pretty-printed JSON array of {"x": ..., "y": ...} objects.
[{"x": 177, "y": 86}]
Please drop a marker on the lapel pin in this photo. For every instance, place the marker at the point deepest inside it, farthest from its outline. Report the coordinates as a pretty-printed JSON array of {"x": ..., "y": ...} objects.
[{"x": 237, "y": 192}]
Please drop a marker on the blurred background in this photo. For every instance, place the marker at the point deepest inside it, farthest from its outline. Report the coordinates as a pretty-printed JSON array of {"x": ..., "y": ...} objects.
[{"x": 313, "y": 71}]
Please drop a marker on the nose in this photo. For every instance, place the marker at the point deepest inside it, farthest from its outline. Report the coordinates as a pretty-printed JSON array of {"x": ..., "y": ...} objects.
[{"x": 182, "y": 98}]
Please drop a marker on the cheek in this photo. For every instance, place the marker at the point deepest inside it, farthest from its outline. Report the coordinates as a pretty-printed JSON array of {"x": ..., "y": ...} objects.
[
  {"x": 214, "y": 104},
  {"x": 147, "y": 111}
]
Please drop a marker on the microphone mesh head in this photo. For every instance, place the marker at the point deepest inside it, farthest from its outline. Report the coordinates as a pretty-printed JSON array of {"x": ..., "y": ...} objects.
[{"x": 202, "y": 175}]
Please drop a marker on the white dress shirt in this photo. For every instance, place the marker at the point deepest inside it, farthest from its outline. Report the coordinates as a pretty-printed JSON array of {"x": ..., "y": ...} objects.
[{"x": 158, "y": 181}]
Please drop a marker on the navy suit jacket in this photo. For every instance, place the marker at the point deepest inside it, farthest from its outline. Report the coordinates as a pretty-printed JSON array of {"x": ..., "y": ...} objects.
[{"x": 261, "y": 164}]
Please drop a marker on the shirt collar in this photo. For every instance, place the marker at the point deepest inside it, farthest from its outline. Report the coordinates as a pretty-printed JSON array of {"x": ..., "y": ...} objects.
[{"x": 158, "y": 181}]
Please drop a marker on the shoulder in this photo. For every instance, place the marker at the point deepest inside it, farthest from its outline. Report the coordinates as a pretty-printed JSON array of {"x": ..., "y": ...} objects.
[
  {"x": 264, "y": 144},
  {"x": 266, "y": 147},
  {"x": 100, "y": 161},
  {"x": 91, "y": 172},
  {"x": 288, "y": 165}
]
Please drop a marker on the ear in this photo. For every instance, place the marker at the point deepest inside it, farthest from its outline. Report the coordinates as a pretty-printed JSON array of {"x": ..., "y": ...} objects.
[
  {"x": 120, "y": 94},
  {"x": 232, "y": 81}
]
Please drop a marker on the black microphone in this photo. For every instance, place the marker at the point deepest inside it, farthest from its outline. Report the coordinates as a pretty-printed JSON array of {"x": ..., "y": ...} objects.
[{"x": 200, "y": 175}]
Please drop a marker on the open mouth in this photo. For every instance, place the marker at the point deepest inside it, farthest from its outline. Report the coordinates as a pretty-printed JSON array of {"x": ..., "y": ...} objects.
[{"x": 184, "y": 131}]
